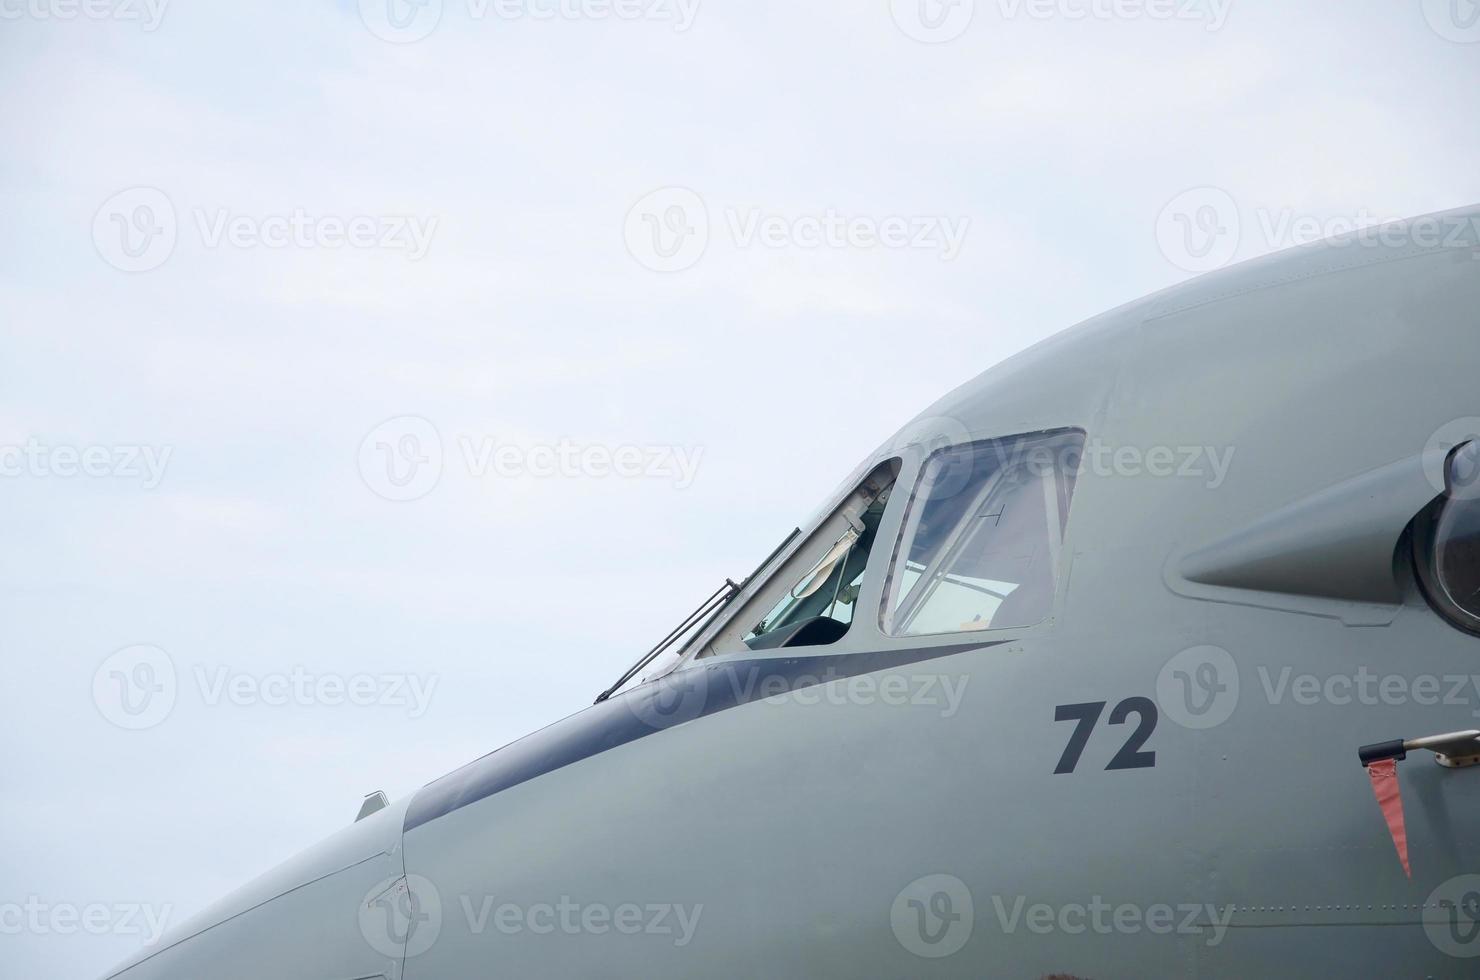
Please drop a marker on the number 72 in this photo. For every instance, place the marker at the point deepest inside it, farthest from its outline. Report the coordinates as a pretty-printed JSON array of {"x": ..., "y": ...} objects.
[{"x": 1130, "y": 755}]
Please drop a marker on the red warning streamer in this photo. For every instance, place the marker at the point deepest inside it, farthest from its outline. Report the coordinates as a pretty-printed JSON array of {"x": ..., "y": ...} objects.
[{"x": 1390, "y": 798}]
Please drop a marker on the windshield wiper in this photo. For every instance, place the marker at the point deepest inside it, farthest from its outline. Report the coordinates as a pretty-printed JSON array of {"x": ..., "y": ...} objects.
[
  {"x": 713, "y": 604},
  {"x": 706, "y": 612}
]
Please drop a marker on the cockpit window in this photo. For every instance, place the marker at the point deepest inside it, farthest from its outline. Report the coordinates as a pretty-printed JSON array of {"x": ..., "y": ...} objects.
[
  {"x": 981, "y": 539},
  {"x": 1448, "y": 542},
  {"x": 822, "y": 600}
]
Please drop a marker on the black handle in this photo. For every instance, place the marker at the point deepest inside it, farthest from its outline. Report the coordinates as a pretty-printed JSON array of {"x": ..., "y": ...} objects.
[{"x": 1378, "y": 751}]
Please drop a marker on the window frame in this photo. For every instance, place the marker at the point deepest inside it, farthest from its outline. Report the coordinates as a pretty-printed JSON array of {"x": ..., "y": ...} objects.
[
  {"x": 783, "y": 570},
  {"x": 866, "y": 633},
  {"x": 1061, "y": 560}
]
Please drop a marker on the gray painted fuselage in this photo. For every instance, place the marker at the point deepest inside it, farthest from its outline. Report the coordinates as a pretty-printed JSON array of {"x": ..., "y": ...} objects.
[{"x": 1297, "y": 398}]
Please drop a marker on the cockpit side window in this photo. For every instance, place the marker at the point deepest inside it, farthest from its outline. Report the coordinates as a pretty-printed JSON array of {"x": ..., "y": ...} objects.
[
  {"x": 981, "y": 541},
  {"x": 818, "y": 607},
  {"x": 809, "y": 598}
]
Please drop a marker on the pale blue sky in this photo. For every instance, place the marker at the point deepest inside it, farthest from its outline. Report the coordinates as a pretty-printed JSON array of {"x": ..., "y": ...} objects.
[{"x": 523, "y": 144}]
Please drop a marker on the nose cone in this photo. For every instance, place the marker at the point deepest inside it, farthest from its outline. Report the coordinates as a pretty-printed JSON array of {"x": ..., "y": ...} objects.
[{"x": 308, "y": 918}]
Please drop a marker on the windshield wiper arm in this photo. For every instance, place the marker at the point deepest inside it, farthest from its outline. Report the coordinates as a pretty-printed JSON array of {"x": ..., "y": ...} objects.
[
  {"x": 713, "y": 604},
  {"x": 707, "y": 610}
]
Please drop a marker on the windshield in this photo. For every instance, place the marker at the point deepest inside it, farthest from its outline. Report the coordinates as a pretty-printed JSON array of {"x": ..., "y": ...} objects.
[
  {"x": 982, "y": 536},
  {"x": 829, "y": 588}
]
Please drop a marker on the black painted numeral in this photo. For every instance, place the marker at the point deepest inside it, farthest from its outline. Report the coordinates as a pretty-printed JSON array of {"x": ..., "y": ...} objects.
[
  {"x": 1132, "y": 754},
  {"x": 1086, "y": 715}
]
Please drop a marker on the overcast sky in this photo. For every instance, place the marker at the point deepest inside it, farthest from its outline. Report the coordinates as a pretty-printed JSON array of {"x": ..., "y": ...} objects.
[{"x": 434, "y": 360}]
